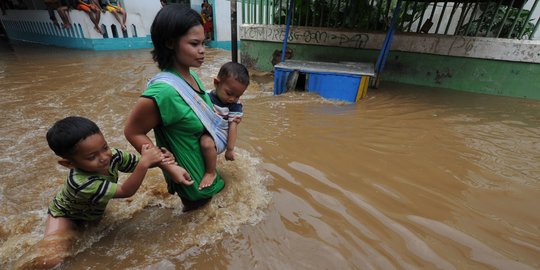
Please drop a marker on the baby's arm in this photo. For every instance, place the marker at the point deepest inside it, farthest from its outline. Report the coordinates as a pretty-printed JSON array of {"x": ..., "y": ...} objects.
[
  {"x": 150, "y": 156},
  {"x": 231, "y": 140}
]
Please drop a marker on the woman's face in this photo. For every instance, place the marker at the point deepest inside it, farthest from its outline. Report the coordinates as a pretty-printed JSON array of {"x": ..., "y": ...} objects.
[{"x": 190, "y": 48}]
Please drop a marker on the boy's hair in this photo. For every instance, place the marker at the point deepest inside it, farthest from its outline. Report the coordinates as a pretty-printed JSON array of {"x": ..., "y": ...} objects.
[
  {"x": 65, "y": 134},
  {"x": 238, "y": 71},
  {"x": 170, "y": 24}
]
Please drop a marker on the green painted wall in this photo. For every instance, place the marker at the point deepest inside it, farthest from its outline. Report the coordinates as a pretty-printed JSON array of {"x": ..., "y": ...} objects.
[{"x": 505, "y": 78}]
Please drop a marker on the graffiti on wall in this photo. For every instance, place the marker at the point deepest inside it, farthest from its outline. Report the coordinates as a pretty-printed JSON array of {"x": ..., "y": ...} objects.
[
  {"x": 306, "y": 36},
  {"x": 475, "y": 47}
]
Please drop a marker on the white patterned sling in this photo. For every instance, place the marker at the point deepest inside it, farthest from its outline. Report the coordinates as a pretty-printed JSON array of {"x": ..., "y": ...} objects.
[{"x": 214, "y": 124}]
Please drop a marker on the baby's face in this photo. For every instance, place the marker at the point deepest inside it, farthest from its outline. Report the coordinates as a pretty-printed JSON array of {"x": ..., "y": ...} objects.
[{"x": 229, "y": 90}]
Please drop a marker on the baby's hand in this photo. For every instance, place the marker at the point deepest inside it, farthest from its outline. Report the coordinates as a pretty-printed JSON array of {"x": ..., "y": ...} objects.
[
  {"x": 179, "y": 175},
  {"x": 229, "y": 154},
  {"x": 168, "y": 157},
  {"x": 150, "y": 156},
  {"x": 237, "y": 120}
]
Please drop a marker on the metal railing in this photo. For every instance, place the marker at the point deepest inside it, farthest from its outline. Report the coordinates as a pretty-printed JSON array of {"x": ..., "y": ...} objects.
[{"x": 513, "y": 19}]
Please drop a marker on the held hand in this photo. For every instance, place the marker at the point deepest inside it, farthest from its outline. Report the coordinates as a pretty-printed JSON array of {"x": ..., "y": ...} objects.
[
  {"x": 229, "y": 155},
  {"x": 168, "y": 157},
  {"x": 150, "y": 156},
  {"x": 179, "y": 175}
]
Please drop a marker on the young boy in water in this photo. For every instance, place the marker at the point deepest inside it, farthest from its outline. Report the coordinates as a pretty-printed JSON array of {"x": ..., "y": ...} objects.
[
  {"x": 91, "y": 182},
  {"x": 230, "y": 84}
]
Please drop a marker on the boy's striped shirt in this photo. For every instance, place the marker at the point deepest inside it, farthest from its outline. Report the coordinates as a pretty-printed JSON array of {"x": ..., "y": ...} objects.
[{"x": 84, "y": 196}]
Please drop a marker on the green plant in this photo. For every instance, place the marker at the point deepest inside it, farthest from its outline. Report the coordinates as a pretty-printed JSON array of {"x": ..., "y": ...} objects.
[
  {"x": 490, "y": 21},
  {"x": 347, "y": 14}
]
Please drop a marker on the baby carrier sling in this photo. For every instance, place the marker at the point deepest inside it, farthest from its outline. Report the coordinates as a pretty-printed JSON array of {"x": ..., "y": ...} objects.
[{"x": 214, "y": 124}]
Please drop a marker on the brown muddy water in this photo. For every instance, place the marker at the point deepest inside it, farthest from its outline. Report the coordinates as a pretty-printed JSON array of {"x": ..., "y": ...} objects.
[{"x": 408, "y": 178}]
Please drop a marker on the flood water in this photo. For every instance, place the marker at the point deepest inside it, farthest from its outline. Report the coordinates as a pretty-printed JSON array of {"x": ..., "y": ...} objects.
[{"x": 408, "y": 178}]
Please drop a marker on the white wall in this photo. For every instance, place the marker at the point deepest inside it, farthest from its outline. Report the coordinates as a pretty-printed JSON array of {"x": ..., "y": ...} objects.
[
  {"x": 142, "y": 10},
  {"x": 222, "y": 19}
]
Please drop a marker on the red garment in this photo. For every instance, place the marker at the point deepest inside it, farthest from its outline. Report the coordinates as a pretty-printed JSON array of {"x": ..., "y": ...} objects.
[{"x": 208, "y": 26}]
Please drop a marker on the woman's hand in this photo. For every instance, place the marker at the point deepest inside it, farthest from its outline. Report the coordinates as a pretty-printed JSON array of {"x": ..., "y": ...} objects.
[{"x": 178, "y": 174}]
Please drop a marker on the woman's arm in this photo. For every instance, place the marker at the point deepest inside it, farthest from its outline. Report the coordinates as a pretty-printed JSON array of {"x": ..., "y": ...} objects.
[{"x": 143, "y": 118}]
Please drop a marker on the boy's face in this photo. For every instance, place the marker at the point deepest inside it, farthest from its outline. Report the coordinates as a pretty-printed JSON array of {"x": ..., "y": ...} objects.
[
  {"x": 229, "y": 90},
  {"x": 92, "y": 155}
]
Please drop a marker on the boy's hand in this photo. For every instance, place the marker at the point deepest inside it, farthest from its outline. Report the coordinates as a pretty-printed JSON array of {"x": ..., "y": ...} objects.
[
  {"x": 150, "y": 156},
  {"x": 168, "y": 157},
  {"x": 229, "y": 155}
]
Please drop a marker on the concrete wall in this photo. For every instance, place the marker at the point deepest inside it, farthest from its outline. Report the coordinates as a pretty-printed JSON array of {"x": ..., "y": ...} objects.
[
  {"x": 493, "y": 66},
  {"x": 475, "y": 47}
]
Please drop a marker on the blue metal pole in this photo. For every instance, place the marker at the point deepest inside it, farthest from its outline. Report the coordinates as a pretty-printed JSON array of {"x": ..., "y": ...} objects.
[
  {"x": 289, "y": 12},
  {"x": 387, "y": 41}
]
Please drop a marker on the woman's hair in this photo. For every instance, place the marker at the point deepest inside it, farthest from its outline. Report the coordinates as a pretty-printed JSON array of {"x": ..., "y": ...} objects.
[
  {"x": 170, "y": 24},
  {"x": 65, "y": 134}
]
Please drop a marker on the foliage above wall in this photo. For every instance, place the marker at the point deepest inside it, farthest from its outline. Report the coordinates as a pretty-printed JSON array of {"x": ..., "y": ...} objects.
[{"x": 485, "y": 19}]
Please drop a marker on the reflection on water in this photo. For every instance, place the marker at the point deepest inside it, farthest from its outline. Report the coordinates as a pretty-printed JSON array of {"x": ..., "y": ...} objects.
[{"x": 409, "y": 178}]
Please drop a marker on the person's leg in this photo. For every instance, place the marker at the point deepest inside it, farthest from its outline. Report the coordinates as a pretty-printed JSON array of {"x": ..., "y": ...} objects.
[
  {"x": 56, "y": 225},
  {"x": 209, "y": 152},
  {"x": 97, "y": 16},
  {"x": 115, "y": 14},
  {"x": 124, "y": 18},
  {"x": 62, "y": 12},
  {"x": 97, "y": 13},
  {"x": 53, "y": 249},
  {"x": 94, "y": 17}
]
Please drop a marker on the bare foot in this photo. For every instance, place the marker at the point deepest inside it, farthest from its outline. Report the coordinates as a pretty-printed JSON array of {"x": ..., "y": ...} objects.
[
  {"x": 124, "y": 29},
  {"x": 207, "y": 180}
]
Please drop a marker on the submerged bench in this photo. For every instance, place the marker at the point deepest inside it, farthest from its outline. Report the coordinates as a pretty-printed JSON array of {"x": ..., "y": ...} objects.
[{"x": 347, "y": 81}]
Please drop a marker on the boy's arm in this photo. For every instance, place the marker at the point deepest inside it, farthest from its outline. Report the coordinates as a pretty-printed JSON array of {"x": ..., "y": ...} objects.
[
  {"x": 231, "y": 140},
  {"x": 149, "y": 156}
]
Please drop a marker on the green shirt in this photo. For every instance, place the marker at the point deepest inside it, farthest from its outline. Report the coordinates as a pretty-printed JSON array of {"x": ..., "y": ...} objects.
[
  {"x": 179, "y": 131},
  {"x": 84, "y": 195}
]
